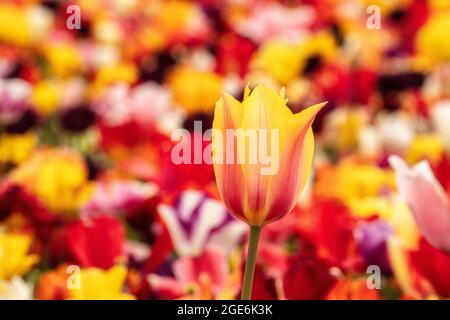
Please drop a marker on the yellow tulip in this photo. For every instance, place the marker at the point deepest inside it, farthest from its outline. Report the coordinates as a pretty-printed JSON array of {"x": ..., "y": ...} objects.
[
  {"x": 110, "y": 74},
  {"x": 429, "y": 45},
  {"x": 195, "y": 90},
  {"x": 16, "y": 148},
  {"x": 58, "y": 177},
  {"x": 425, "y": 146},
  {"x": 98, "y": 284},
  {"x": 284, "y": 61},
  {"x": 64, "y": 59},
  {"x": 46, "y": 97},
  {"x": 14, "y": 257},
  {"x": 358, "y": 185},
  {"x": 278, "y": 59},
  {"x": 14, "y": 25}
]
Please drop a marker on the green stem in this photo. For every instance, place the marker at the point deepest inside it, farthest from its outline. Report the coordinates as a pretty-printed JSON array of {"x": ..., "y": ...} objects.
[{"x": 251, "y": 262}]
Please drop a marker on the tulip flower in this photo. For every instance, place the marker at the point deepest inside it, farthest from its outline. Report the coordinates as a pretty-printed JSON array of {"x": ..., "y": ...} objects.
[
  {"x": 14, "y": 257},
  {"x": 427, "y": 200},
  {"x": 99, "y": 284},
  {"x": 196, "y": 221},
  {"x": 262, "y": 155},
  {"x": 96, "y": 242}
]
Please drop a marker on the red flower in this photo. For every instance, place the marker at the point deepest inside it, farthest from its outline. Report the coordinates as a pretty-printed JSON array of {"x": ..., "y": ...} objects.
[
  {"x": 15, "y": 198},
  {"x": 264, "y": 287},
  {"x": 339, "y": 85},
  {"x": 234, "y": 54},
  {"x": 126, "y": 135},
  {"x": 433, "y": 265},
  {"x": 363, "y": 81},
  {"x": 308, "y": 278},
  {"x": 332, "y": 82},
  {"x": 442, "y": 171},
  {"x": 161, "y": 249},
  {"x": 180, "y": 176},
  {"x": 279, "y": 241},
  {"x": 97, "y": 242},
  {"x": 408, "y": 21},
  {"x": 330, "y": 227}
]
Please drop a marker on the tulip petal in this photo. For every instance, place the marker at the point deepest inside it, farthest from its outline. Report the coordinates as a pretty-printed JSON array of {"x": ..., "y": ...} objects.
[
  {"x": 229, "y": 176},
  {"x": 289, "y": 182},
  {"x": 265, "y": 112},
  {"x": 265, "y": 107},
  {"x": 427, "y": 201},
  {"x": 295, "y": 165}
]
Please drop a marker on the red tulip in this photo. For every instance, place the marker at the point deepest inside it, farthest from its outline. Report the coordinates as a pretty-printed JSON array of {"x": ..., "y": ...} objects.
[{"x": 98, "y": 242}]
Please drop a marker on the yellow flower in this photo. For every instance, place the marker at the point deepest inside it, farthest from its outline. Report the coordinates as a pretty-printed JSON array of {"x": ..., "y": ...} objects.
[
  {"x": 15, "y": 148},
  {"x": 358, "y": 185},
  {"x": 14, "y": 26},
  {"x": 439, "y": 4},
  {"x": 350, "y": 129},
  {"x": 14, "y": 257},
  {"x": 285, "y": 61},
  {"x": 321, "y": 44},
  {"x": 45, "y": 97},
  {"x": 173, "y": 16},
  {"x": 98, "y": 284},
  {"x": 279, "y": 59},
  {"x": 64, "y": 59},
  {"x": 404, "y": 225},
  {"x": 58, "y": 177},
  {"x": 368, "y": 47},
  {"x": 369, "y": 206},
  {"x": 114, "y": 73},
  {"x": 257, "y": 191},
  {"x": 343, "y": 127},
  {"x": 429, "y": 146},
  {"x": 195, "y": 90},
  {"x": 151, "y": 39},
  {"x": 406, "y": 237},
  {"x": 430, "y": 45}
]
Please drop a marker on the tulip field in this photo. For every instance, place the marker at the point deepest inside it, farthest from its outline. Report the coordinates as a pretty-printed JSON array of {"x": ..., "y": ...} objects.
[{"x": 224, "y": 150}]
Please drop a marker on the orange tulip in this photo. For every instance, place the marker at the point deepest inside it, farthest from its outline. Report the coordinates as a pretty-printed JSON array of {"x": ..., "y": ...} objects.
[
  {"x": 262, "y": 155},
  {"x": 251, "y": 190}
]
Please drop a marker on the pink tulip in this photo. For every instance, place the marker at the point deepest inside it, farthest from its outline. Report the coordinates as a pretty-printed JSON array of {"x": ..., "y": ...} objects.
[{"x": 427, "y": 200}]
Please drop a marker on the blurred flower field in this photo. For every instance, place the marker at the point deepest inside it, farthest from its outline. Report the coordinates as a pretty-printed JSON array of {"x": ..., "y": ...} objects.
[{"x": 92, "y": 205}]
